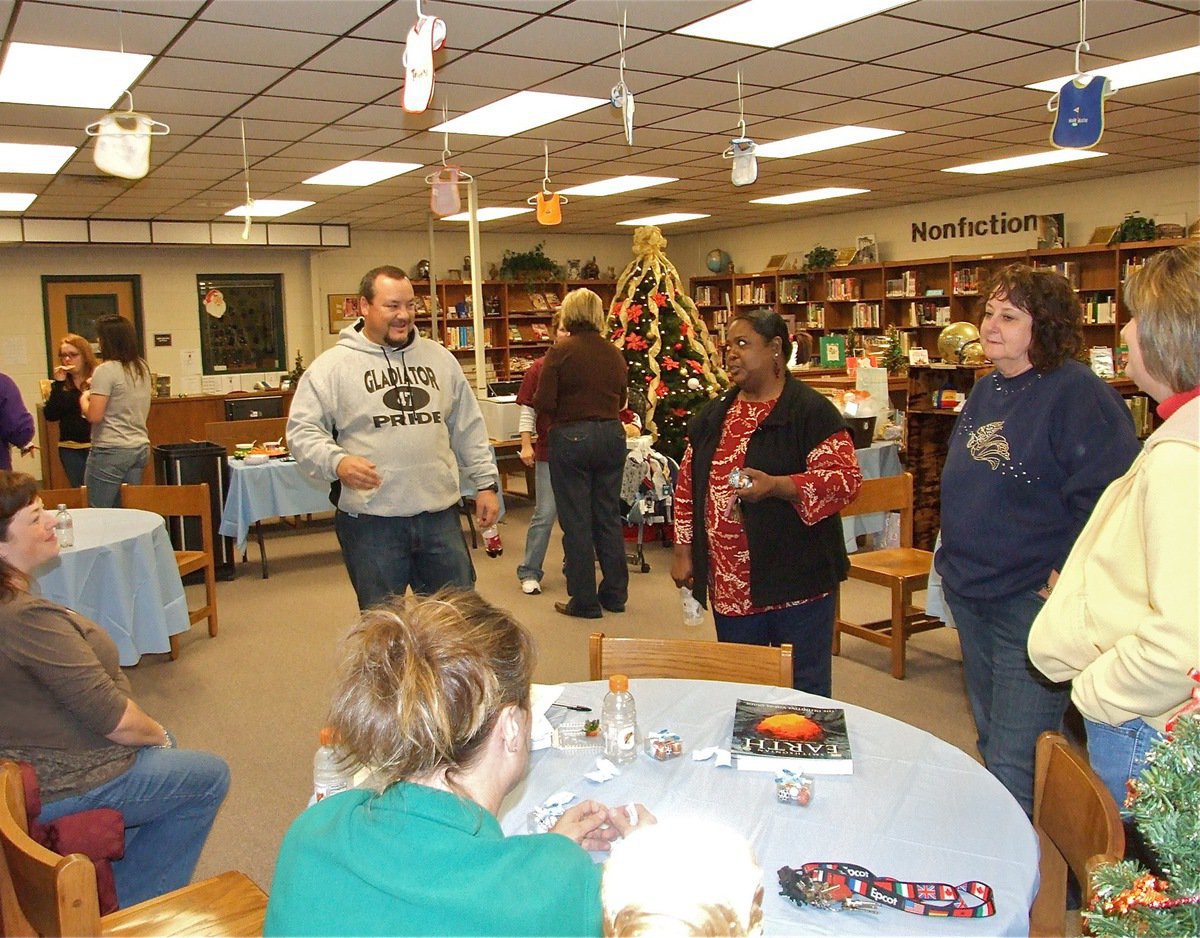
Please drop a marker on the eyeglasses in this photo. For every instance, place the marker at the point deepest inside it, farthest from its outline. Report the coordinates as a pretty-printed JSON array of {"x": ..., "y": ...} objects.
[{"x": 68, "y": 354}]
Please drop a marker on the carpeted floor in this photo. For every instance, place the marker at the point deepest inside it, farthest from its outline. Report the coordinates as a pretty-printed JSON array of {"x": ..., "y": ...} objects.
[{"x": 256, "y": 694}]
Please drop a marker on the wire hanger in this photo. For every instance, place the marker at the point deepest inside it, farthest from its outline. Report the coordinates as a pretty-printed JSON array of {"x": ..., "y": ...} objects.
[
  {"x": 436, "y": 176},
  {"x": 546, "y": 193}
]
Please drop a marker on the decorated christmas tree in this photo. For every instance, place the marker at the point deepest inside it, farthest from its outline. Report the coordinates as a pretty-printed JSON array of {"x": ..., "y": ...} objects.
[
  {"x": 672, "y": 359},
  {"x": 1128, "y": 899}
]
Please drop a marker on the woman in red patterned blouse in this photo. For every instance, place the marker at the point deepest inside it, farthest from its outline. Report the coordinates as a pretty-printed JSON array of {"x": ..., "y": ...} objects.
[{"x": 768, "y": 546}]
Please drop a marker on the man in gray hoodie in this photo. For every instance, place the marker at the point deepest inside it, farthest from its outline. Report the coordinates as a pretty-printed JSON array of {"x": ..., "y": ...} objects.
[{"x": 389, "y": 415}]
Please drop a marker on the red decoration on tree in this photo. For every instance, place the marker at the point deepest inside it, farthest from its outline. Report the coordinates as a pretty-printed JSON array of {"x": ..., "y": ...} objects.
[
  {"x": 679, "y": 346},
  {"x": 660, "y": 300},
  {"x": 696, "y": 366},
  {"x": 661, "y": 390},
  {"x": 669, "y": 364}
]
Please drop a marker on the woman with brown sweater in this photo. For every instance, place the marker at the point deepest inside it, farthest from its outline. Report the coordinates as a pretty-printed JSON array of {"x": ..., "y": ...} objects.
[{"x": 583, "y": 388}]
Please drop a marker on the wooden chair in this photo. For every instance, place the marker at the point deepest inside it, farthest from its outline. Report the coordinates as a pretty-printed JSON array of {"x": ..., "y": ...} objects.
[
  {"x": 44, "y": 893},
  {"x": 1078, "y": 827},
  {"x": 184, "y": 501},
  {"x": 903, "y": 570},
  {"x": 229, "y": 433},
  {"x": 709, "y": 661},
  {"x": 72, "y": 498}
]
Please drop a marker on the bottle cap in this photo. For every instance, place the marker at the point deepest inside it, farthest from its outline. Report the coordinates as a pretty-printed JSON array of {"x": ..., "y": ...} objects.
[
  {"x": 328, "y": 737},
  {"x": 618, "y": 683},
  {"x": 62, "y": 506}
]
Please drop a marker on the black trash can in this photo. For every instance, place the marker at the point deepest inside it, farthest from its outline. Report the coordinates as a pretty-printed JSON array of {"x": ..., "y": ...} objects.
[{"x": 191, "y": 464}]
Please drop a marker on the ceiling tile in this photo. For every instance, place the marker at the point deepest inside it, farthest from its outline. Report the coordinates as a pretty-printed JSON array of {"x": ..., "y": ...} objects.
[
  {"x": 218, "y": 42},
  {"x": 234, "y": 77},
  {"x": 305, "y": 15}
]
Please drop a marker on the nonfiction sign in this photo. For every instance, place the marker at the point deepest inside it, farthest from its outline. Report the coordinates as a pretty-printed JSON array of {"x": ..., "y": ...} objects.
[{"x": 964, "y": 227}]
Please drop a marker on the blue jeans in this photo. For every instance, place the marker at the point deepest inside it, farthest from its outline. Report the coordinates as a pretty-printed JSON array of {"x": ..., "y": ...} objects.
[
  {"x": 809, "y": 629},
  {"x": 169, "y": 798},
  {"x": 587, "y": 458},
  {"x": 110, "y": 467},
  {"x": 1118, "y": 753},
  {"x": 74, "y": 463},
  {"x": 540, "y": 525},
  {"x": 1012, "y": 702},
  {"x": 386, "y": 555}
]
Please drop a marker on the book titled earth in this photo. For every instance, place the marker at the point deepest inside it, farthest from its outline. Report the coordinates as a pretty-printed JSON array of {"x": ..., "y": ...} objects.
[{"x": 768, "y": 737}]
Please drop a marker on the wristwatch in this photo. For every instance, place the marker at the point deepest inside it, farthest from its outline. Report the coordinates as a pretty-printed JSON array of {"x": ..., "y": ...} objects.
[{"x": 490, "y": 487}]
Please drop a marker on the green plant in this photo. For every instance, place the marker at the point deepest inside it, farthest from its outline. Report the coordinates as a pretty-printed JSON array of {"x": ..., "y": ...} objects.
[
  {"x": 529, "y": 265},
  {"x": 1136, "y": 228},
  {"x": 819, "y": 258}
]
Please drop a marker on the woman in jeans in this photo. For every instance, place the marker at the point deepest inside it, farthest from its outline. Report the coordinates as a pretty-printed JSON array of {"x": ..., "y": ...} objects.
[
  {"x": 76, "y": 363},
  {"x": 67, "y": 709},
  {"x": 116, "y": 403},
  {"x": 583, "y": 389}
]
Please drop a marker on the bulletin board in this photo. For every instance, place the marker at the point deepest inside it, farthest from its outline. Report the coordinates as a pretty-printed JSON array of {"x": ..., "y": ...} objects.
[{"x": 241, "y": 323}]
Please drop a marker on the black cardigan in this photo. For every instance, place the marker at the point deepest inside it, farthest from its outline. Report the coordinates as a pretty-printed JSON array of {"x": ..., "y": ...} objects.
[
  {"x": 789, "y": 560},
  {"x": 63, "y": 405}
]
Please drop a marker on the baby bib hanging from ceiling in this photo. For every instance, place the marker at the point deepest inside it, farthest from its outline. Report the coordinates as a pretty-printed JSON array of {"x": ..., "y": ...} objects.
[
  {"x": 123, "y": 142},
  {"x": 1078, "y": 105}
]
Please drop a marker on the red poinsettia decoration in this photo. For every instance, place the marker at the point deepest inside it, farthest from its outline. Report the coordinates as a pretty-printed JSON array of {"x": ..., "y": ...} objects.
[
  {"x": 683, "y": 329},
  {"x": 696, "y": 366},
  {"x": 660, "y": 300},
  {"x": 617, "y": 334},
  {"x": 634, "y": 312},
  {"x": 636, "y": 342},
  {"x": 669, "y": 363},
  {"x": 661, "y": 390},
  {"x": 680, "y": 412}
]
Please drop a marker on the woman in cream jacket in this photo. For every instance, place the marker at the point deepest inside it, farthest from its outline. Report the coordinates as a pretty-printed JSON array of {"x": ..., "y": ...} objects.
[{"x": 1123, "y": 620}]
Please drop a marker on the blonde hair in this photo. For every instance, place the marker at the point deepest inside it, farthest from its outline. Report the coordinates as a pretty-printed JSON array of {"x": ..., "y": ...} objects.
[
  {"x": 582, "y": 311},
  {"x": 682, "y": 877},
  {"x": 86, "y": 353},
  {"x": 1164, "y": 297},
  {"x": 423, "y": 680}
]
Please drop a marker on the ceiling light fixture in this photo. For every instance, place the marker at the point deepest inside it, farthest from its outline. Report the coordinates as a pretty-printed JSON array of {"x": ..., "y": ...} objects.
[
  {"x": 774, "y": 23},
  {"x": 810, "y": 195},
  {"x": 618, "y": 184},
  {"x": 1139, "y": 71},
  {"x": 489, "y": 214},
  {"x": 40, "y": 159},
  {"x": 668, "y": 219},
  {"x": 16, "y": 201},
  {"x": 517, "y": 113},
  {"x": 269, "y": 208},
  {"x": 64, "y": 76},
  {"x": 360, "y": 173},
  {"x": 822, "y": 140},
  {"x": 1008, "y": 164}
]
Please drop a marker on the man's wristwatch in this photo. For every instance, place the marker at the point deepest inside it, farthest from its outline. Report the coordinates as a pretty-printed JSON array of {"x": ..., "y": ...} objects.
[{"x": 490, "y": 487}]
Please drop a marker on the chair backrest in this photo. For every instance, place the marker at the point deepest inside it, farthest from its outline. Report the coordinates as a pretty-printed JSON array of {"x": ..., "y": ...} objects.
[
  {"x": 1076, "y": 819},
  {"x": 891, "y": 493},
  {"x": 72, "y": 498},
  {"x": 709, "y": 661},
  {"x": 229, "y": 433},
  {"x": 174, "y": 501},
  {"x": 41, "y": 892}
]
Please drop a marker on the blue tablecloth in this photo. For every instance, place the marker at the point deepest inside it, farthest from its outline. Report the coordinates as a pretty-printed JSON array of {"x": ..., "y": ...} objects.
[
  {"x": 878, "y": 460},
  {"x": 121, "y": 574},
  {"x": 916, "y": 808}
]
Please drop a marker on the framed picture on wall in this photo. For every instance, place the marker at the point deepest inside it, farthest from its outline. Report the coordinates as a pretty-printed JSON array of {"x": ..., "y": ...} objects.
[
  {"x": 241, "y": 323},
  {"x": 343, "y": 310}
]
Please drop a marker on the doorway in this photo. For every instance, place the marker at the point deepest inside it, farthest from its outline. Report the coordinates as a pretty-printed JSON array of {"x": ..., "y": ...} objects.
[{"x": 73, "y": 304}]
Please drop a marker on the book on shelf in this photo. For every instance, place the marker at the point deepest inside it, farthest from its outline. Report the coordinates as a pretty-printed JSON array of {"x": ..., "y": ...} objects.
[
  {"x": 833, "y": 351},
  {"x": 514, "y": 334},
  {"x": 1100, "y": 357},
  {"x": 538, "y": 301},
  {"x": 552, "y": 301},
  {"x": 541, "y": 332},
  {"x": 769, "y": 737}
]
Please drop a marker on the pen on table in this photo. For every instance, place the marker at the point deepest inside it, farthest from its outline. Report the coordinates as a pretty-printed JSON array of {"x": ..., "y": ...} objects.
[{"x": 573, "y": 707}]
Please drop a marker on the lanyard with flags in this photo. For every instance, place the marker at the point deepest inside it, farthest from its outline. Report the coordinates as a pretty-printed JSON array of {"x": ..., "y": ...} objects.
[{"x": 971, "y": 899}]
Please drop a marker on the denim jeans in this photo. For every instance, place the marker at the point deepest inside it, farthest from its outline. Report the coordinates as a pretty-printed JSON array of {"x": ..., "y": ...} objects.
[
  {"x": 537, "y": 539},
  {"x": 110, "y": 467},
  {"x": 169, "y": 798},
  {"x": 1118, "y": 753},
  {"x": 809, "y": 629},
  {"x": 1012, "y": 702},
  {"x": 74, "y": 463},
  {"x": 587, "y": 458},
  {"x": 386, "y": 555}
]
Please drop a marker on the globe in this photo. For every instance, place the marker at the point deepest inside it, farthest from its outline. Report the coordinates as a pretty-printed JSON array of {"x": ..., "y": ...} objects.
[
  {"x": 958, "y": 342},
  {"x": 718, "y": 261}
]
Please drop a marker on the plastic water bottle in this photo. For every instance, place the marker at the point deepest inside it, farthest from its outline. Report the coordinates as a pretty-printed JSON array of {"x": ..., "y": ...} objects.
[
  {"x": 618, "y": 721},
  {"x": 333, "y": 770},
  {"x": 64, "y": 527},
  {"x": 492, "y": 543}
]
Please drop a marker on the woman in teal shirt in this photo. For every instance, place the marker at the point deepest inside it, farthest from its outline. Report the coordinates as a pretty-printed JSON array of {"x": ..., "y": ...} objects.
[{"x": 434, "y": 693}]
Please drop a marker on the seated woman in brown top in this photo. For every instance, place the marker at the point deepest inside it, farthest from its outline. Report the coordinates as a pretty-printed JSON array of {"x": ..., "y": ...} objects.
[
  {"x": 583, "y": 388},
  {"x": 66, "y": 708}
]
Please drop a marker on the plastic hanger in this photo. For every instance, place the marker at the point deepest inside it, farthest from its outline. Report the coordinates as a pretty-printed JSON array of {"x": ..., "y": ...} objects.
[
  {"x": 150, "y": 127},
  {"x": 741, "y": 148},
  {"x": 549, "y": 204}
]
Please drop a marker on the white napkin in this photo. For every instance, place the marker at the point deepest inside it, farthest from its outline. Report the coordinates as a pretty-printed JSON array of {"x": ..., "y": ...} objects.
[{"x": 542, "y": 697}]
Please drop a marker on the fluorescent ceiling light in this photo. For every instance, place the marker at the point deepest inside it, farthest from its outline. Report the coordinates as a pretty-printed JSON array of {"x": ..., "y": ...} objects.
[
  {"x": 489, "y": 214},
  {"x": 811, "y": 195},
  {"x": 668, "y": 219},
  {"x": 774, "y": 23},
  {"x": 517, "y": 113},
  {"x": 1043, "y": 158},
  {"x": 15, "y": 201},
  {"x": 269, "y": 208},
  {"x": 822, "y": 140},
  {"x": 1139, "y": 71},
  {"x": 618, "y": 184},
  {"x": 360, "y": 173},
  {"x": 67, "y": 77},
  {"x": 37, "y": 158}
]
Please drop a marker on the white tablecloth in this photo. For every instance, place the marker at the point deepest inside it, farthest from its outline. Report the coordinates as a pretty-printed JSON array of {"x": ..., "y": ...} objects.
[
  {"x": 916, "y": 808},
  {"x": 121, "y": 574}
]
